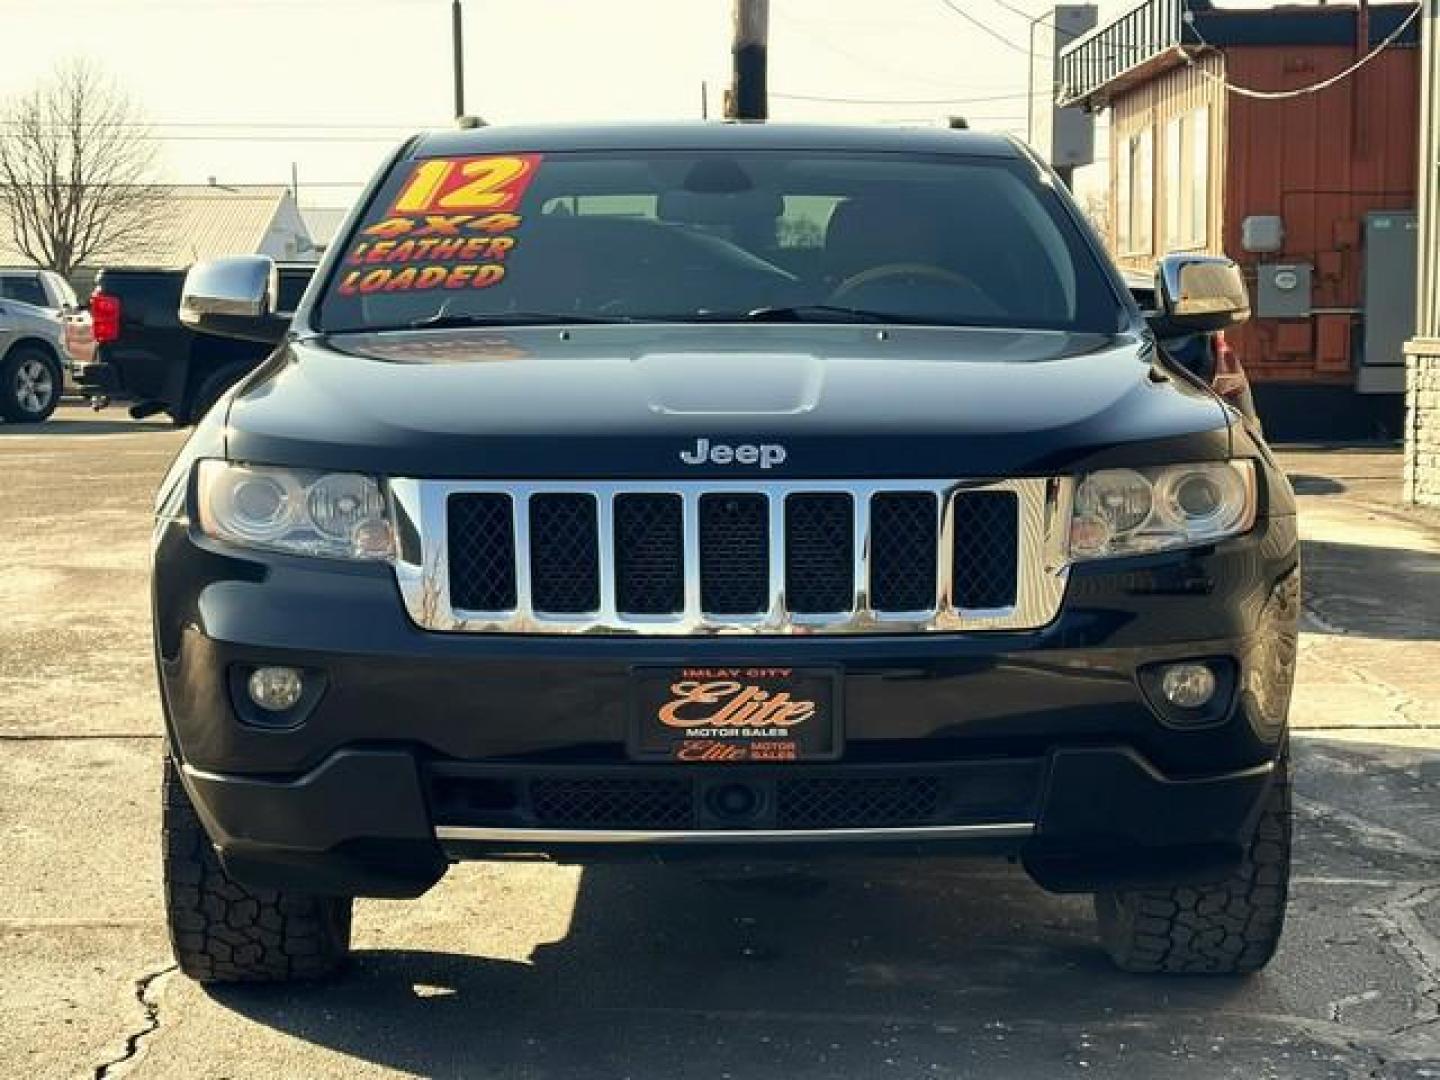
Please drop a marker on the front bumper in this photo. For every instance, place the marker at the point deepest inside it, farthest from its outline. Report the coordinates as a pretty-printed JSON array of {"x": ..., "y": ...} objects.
[
  {"x": 384, "y": 823},
  {"x": 422, "y": 747}
]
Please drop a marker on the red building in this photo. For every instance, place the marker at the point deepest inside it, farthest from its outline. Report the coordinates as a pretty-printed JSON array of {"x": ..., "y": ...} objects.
[{"x": 1313, "y": 194}]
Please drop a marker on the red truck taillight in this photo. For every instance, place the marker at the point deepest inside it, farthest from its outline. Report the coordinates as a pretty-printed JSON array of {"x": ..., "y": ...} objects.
[
  {"x": 1230, "y": 380},
  {"x": 104, "y": 317}
]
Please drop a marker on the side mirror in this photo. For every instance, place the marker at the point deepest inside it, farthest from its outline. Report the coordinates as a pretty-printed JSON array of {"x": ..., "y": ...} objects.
[
  {"x": 234, "y": 297},
  {"x": 1199, "y": 294}
]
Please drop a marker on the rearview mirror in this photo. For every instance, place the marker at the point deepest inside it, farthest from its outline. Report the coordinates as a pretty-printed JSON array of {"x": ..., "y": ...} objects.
[
  {"x": 1199, "y": 293},
  {"x": 234, "y": 297}
]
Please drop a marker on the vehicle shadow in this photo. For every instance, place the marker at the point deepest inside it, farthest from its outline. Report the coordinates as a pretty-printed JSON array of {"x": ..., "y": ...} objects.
[
  {"x": 85, "y": 427},
  {"x": 1369, "y": 591},
  {"x": 1305, "y": 484},
  {"x": 844, "y": 968}
]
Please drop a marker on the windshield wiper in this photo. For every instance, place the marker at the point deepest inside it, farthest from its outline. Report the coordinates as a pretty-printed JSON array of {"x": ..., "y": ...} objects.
[
  {"x": 448, "y": 320},
  {"x": 817, "y": 313}
]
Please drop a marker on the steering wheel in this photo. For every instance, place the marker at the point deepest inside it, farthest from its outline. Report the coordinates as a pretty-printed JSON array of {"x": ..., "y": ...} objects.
[{"x": 899, "y": 270}]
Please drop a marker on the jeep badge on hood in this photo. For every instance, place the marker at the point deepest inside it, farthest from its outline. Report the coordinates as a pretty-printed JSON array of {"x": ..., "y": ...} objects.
[{"x": 766, "y": 455}]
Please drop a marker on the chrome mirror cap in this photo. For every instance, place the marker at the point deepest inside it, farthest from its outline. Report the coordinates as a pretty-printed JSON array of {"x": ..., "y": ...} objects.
[
  {"x": 1201, "y": 292},
  {"x": 233, "y": 297}
]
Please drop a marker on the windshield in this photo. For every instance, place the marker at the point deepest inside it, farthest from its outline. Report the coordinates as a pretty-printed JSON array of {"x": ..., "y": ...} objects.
[{"x": 695, "y": 236}]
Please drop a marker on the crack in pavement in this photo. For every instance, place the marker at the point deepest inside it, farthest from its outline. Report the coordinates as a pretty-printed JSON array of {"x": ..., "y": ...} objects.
[
  {"x": 1399, "y": 702},
  {"x": 1403, "y": 931},
  {"x": 1384, "y": 838},
  {"x": 45, "y": 736},
  {"x": 1309, "y": 610},
  {"x": 1310, "y": 729},
  {"x": 150, "y": 1004},
  {"x": 1337, "y": 1007},
  {"x": 26, "y": 923}
]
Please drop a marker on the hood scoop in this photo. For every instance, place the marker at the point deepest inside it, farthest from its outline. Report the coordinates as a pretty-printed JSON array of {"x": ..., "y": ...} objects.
[{"x": 749, "y": 384}]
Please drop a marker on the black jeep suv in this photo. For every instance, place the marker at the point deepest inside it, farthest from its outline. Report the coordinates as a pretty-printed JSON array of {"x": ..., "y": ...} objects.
[{"x": 703, "y": 489}]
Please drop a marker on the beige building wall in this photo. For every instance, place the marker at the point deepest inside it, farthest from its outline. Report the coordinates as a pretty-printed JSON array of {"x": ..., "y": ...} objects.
[{"x": 1146, "y": 112}]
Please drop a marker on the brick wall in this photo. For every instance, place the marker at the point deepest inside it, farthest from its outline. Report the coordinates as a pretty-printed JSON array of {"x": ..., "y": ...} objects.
[{"x": 1422, "y": 422}]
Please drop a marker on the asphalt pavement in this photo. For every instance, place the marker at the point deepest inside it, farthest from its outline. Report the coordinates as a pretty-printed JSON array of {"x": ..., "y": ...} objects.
[{"x": 845, "y": 968}]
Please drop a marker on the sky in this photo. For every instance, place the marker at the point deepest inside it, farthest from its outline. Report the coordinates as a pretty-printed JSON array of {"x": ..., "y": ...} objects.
[{"x": 241, "y": 90}]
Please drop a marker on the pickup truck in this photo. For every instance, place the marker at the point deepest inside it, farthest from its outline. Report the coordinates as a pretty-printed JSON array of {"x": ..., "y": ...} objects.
[
  {"x": 133, "y": 344},
  {"x": 33, "y": 306},
  {"x": 664, "y": 491}
]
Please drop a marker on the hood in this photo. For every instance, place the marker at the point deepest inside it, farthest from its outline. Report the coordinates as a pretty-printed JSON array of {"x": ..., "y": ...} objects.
[{"x": 631, "y": 402}]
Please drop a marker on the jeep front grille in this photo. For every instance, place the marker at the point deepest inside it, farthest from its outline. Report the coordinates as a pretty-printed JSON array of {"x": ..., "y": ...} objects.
[{"x": 730, "y": 556}]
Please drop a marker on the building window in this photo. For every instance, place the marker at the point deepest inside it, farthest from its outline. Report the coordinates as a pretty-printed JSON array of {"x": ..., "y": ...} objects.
[
  {"x": 1175, "y": 222},
  {"x": 1200, "y": 177},
  {"x": 1122, "y": 204},
  {"x": 1187, "y": 181},
  {"x": 1135, "y": 198}
]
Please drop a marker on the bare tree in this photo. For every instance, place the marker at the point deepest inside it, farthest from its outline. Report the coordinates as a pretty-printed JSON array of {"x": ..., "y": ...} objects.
[{"x": 77, "y": 165}]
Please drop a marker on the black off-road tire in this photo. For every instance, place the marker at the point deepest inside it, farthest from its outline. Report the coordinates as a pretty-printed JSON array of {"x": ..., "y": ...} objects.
[
  {"x": 225, "y": 932},
  {"x": 31, "y": 381},
  {"x": 1231, "y": 927}
]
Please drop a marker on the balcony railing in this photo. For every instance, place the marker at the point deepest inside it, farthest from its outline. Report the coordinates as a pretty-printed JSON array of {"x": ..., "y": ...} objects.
[{"x": 1133, "y": 39}]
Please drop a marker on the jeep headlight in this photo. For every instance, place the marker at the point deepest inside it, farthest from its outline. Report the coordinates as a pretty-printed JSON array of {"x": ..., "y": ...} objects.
[
  {"x": 334, "y": 515},
  {"x": 1132, "y": 511}
]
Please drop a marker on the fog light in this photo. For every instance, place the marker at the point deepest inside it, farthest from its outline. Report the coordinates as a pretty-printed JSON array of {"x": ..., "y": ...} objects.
[
  {"x": 1188, "y": 685},
  {"x": 275, "y": 689}
]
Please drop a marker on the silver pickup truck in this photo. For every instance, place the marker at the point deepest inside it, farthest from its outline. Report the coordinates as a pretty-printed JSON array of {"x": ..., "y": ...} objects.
[{"x": 33, "y": 306}]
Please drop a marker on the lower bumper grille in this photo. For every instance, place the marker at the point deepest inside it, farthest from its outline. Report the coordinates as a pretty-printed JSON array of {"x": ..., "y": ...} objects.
[
  {"x": 857, "y": 802},
  {"x": 609, "y": 803},
  {"x": 867, "y": 797}
]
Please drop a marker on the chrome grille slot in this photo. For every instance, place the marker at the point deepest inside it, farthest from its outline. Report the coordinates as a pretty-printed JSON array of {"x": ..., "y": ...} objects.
[
  {"x": 649, "y": 555},
  {"x": 985, "y": 546},
  {"x": 756, "y": 557},
  {"x": 564, "y": 554},
  {"x": 903, "y": 551},
  {"x": 482, "y": 552},
  {"x": 734, "y": 554},
  {"x": 820, "y": 554}
]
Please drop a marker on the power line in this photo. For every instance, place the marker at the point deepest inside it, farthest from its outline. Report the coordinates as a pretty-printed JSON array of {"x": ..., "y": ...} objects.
[
  {"x": 1071, "y": 35},
  {"x": 897, "y": 101},
  {"x": 973, "y": 21},
  {"x": 301, "y": 139},
  {"x": 1282, "y": 95},
  {"x": 1020, "y": 11},
  {"x": 142, "y": 134},
  {"x": 807, "y": 36},
  {"x": 257, "y": 125}
]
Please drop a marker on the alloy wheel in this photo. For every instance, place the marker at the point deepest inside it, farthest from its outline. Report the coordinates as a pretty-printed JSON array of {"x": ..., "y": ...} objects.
[{"x": 34, "y": 386}]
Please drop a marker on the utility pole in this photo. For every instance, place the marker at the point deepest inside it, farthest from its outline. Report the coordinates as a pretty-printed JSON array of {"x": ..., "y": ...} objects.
[
  {"x": 749, "y": 98},
  {"x": 1063, "y": 137},
  {"x": 1422, "y": 352},
  {"x": 1030, "y": 79},
  {"x": 704, "y": 100},
  {"x": 457, "y": 41}
]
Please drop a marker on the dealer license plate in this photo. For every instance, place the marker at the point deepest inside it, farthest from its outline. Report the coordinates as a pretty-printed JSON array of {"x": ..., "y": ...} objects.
[{"x": 735, "y": 714}]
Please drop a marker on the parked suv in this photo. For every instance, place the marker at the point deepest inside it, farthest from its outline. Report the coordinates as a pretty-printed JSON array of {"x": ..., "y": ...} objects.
[
  {"x": 721, "y": 489},
  {"x": 33, "y": 304}
]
